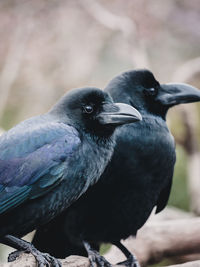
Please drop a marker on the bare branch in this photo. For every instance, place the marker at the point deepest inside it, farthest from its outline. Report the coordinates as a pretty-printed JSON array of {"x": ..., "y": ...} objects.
[
  {"x": 188, "y": 264},
  {"x": 162, "y": 239},
  {"x": 74, "y": 261},
  {"x": 29, "y": 261},
  {"x": 171, "y": 233}
]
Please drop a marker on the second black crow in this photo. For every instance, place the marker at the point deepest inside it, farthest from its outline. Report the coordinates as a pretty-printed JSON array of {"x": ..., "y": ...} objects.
[{"x": 137, "y": 179}]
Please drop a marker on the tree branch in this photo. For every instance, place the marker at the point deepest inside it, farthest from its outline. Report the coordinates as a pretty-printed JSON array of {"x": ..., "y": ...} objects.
[
  {"x": 169, "y": 234},
  {"x": 162, "y": 239},
  {"x": 29, "y": 261},
  {"x": 74, "y": 261}
]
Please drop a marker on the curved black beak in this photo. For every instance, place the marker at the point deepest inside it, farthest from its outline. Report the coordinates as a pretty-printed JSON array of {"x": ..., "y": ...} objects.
[
  {"x": 118, "y": 114},
  {"x": 177, "y": 93}
]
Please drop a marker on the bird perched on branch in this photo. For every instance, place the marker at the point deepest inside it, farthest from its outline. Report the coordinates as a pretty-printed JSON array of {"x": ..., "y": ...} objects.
[
  {"x": 48, "y": 161},
  {"x": 137, "y": 179}
]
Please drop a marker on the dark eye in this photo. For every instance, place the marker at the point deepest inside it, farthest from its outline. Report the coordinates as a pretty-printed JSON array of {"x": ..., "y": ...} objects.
[
  {"x": 88, "y": 109},
  {"x": 150, "y": 91}
]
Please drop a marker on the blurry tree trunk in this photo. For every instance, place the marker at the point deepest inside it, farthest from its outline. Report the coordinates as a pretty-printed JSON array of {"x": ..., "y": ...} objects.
[
  {"x": 14, "y": 58},
  {"x": 190, "y": 119},
  {"x": 189, "y": 73}
]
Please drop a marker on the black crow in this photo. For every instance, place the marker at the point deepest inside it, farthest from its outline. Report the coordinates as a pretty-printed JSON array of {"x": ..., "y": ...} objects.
[
  {"x": 137, "y": 179},
  {"x": 48, "y": 161}
]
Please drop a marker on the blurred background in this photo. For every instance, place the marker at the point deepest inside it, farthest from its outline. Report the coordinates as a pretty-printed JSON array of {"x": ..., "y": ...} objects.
[{"x": 49, "y": 47}]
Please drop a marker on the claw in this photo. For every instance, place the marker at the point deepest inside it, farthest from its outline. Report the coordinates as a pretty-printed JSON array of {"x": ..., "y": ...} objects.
[
  {"x": 54, "y": 262},
  {"x": 14, "y": 255},
  {"x": 95, "y": 258},
  {"x": 130, "y": 262},
  {"x": 99, "y": 260},
  {"x": 43, "y": 259}
]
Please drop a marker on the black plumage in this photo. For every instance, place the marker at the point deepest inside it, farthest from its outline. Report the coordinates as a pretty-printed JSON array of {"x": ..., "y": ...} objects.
[
  {"x": 137, "y": 179},
  {"x": 48, "y": 161}
]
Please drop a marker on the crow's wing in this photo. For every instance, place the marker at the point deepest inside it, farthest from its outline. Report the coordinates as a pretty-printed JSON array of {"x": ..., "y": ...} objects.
[{"x": 32, "y": 160}]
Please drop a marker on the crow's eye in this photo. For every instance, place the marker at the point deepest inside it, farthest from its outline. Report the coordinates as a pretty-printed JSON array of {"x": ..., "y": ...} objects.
[
  {"x": 88, "y": 109},
  {"x": 150, "y": 91}
]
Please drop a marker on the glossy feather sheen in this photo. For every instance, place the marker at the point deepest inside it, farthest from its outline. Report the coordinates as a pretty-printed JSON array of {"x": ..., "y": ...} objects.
[{"x": 38, "y": 151}]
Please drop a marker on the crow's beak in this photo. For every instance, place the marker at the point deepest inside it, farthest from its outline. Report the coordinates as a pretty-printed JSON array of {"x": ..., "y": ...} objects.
[
  {"x": 118, "y": 114},
  {"x": 177, "y": 93}
]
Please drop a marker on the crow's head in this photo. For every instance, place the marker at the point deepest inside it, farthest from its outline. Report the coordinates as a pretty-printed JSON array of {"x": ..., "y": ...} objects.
[
  {"x": 93, "y": 110},
  {"x": 140, "y": 89}
]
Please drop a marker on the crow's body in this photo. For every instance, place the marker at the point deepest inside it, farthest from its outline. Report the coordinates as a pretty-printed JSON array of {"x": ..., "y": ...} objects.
[
  {"x": 107, "y": 212},
  {"x": 48, "y": 161},
  {"x": 67, "y": 159},
  {"x": 137, "y": 179},
  {"x": 100, "y": 207}
]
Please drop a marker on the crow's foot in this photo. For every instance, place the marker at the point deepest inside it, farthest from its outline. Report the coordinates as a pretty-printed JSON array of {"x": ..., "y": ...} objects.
[
  {"x": 131, "y": 259},
  {"x": 130, "y": 262},
  {"x": 95, "y": 258},
  {"x": 22, "y": 246},
  {"x": 43, "y": 259}
]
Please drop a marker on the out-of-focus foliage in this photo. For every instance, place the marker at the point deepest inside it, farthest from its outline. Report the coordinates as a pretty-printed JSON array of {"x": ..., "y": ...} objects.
[
  {"x": 179, "y": 195},
  {"x": 49, "y": 47}
]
